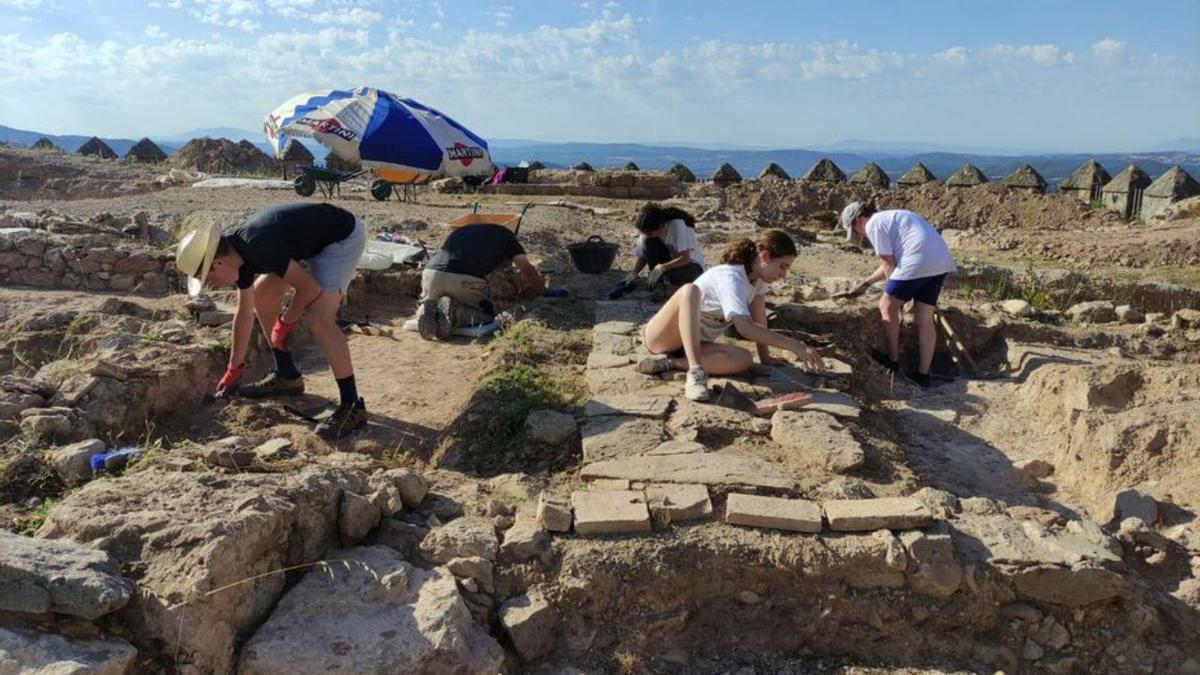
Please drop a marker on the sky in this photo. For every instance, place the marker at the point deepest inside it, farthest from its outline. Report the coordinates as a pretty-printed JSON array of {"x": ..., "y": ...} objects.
[{"x": 1045, "y": 75}]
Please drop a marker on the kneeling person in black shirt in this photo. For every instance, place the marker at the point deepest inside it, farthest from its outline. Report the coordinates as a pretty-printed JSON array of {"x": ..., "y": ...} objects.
[
  {"x": 454, "y": 288},
  {"x": 262, "y": 258}
]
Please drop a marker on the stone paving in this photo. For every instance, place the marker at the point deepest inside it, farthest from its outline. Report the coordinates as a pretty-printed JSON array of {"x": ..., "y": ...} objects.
[{"x": 646, "y": 463}]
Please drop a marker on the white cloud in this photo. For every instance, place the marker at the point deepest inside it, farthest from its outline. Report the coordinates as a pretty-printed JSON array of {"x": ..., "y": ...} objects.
[
  {"x": 154, "y": 32},
  {"x": 1109, "y": 52},
  {"x": 21, "y": 4},
  {"x": 354, "y": 17}
]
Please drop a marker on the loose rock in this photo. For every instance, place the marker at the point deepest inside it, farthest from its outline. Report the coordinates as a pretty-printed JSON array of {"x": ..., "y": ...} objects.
[
  {"x": 550, "y": 427},
  {"x": 41, "y": 576},
  {"x": 73, "y": 463}
]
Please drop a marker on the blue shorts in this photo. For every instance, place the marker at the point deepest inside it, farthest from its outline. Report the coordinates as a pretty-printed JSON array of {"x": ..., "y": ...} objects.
[{"x": 925, "y": 290}]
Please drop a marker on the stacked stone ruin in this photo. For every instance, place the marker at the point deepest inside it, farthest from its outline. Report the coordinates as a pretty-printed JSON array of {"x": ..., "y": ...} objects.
[
  {"x": 726, "y": 175},
  {"x": 968, "y": 175},
  {"x": 45, "y": 145},
  {"x": 1123, "y": 193},
  {"x": 774, "y": 170},
  {"x": 682, "y": 173},
  {"x": 918, "y": 175},
  {"x": 1174, "y": 185},
  {"x": 97, "y": 148},
  {"x": 334, "y": 162},
  {"x": 870, "y": 175},
  {"x": 824, "y": 171},
  {"x": 1087, "y": 182},
  {"x": 50, "y": 251},
  {"x": 146, "y": 151},
  {"x": 1025, "y": 177}
]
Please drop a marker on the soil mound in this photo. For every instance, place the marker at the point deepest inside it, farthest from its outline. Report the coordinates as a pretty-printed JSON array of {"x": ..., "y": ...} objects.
[{"x": 221, "y": 155}]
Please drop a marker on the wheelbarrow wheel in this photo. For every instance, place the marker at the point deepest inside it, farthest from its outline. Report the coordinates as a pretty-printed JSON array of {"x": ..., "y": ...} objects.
[
  {"x": 304, "y": 184},
  {"x": 381, "y": 189}
]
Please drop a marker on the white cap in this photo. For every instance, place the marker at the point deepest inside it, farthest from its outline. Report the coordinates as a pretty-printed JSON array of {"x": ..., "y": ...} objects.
[{"x": 848, "y": 215}]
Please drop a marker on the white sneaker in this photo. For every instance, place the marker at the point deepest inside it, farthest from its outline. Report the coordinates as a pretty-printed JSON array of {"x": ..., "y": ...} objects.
[
  {"x": 653, "y": 365},
  {"x": 696, "y": 387}
]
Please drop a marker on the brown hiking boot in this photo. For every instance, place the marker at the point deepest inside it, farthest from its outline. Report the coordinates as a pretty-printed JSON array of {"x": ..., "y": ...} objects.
[
  {"x": 344, "y": 421},
  {"x": 273, "y": 385}
]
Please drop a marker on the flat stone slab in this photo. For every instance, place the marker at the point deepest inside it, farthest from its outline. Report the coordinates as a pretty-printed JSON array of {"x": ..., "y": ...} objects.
[
  {"x": 868, "y": 515},
  {"x": 819, "y": 437},
  {"x": 43, "y": 576},
  {"x": 610, "y": 512},
  {"x": 678, "y": 447},
  {"x": 608, "y": 343},
  {"x": 620, "y": 436},
  {"x": 632, "y": 405},
  {"x": 631, "y": 311},
  {"x": 794, "y": 515},
  {"x": 674, "y": 503},
  {"x": 706, "y": 468},
  {"x": 835, "y": 403},
  {"x": 614, "y": 327},
  {"x": 602, "y": 359},
  {"x": 625, "y": 380}
]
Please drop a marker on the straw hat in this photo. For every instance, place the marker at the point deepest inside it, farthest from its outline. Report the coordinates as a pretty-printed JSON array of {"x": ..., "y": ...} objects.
[{"x": 196, "y": 252}]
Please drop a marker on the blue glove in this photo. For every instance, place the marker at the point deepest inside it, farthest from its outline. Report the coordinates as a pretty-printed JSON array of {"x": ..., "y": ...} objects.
[{"x": 556, "y": 293}]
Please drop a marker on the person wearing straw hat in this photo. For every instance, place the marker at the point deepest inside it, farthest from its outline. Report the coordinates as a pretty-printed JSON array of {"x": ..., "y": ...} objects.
[
  {"x": 262, "y": 257},
  {"x": 914, "y": 261}
]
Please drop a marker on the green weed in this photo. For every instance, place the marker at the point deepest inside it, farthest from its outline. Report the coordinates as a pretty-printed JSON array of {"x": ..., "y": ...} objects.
[{"x": 37, "y": 517}]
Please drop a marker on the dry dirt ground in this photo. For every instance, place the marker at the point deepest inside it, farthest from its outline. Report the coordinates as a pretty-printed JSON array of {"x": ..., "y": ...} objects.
[{"x": 1105, "y": 408}]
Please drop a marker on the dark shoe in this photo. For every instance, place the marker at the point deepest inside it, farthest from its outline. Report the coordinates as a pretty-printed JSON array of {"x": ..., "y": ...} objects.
[
  {"x": 427, "y": 319},
  {"x": 344, "y": 421},
  {"x": 922, "y": 380},
  {"x": 273, "y": 385},
  {"x": 885, "y": 361},
  {"x": 445, "y": 320}
]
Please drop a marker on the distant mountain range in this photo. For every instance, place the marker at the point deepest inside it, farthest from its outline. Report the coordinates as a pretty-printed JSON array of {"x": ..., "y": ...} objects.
[{"x": 893, "y": 157}]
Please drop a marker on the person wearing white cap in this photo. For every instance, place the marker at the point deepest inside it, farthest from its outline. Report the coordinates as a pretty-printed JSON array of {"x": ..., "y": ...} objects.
[
  {"x": 261, "y": 257},
  {"x": 914, "y": 262}
]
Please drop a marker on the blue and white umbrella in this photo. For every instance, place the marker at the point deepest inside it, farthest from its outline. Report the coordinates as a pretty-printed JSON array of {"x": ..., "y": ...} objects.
[{"x": 398, "y": 138}]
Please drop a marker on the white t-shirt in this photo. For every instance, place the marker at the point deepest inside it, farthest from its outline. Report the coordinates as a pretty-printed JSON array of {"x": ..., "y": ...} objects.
[
  {"x": 678, "y": 237},
  {"x": 725, "y": 293},
  {"x": 918, "y": 248}
]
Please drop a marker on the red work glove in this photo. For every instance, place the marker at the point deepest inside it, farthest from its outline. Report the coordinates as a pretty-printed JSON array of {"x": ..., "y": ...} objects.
[
  {"x": 229, "y": 379},
  {"x": 279, "y": 332}
]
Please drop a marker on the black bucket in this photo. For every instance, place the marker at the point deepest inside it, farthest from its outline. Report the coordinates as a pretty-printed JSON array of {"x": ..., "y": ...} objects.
[{"x": 594, "y": 256}]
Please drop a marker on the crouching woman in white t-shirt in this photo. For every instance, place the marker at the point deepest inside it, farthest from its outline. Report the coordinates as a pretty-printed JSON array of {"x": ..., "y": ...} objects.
[{"x": 683, "y": 334}]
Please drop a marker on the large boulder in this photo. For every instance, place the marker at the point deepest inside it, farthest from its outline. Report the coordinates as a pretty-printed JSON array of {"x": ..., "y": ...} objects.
[
  {"x": 194, "y": 542},
  {"x": 371, "y": 612},
  {"x": 27, "y": 651},
  {"x": 38, "y": 576}
]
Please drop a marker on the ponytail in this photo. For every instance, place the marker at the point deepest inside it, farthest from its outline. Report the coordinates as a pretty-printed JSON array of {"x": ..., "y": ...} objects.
[{"x": 742, "y": 252}]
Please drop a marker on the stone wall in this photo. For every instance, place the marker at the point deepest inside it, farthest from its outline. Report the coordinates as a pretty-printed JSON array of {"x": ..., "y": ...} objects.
[
  {"x": 610, "y": 184},
  {"x": 86, "y": 260}
]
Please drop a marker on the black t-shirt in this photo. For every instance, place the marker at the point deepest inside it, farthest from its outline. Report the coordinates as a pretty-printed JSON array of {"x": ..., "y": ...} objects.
[
  {"x": 270, "y": 239},
  {"x": 476, "y": 250}
]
